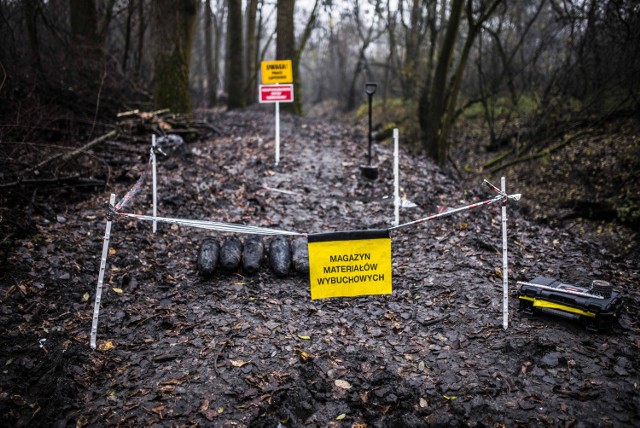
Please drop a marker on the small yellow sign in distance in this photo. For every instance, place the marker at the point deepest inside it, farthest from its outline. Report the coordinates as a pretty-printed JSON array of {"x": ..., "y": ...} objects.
[
  {"x": 274, "y": 72},
  {"x": 347, "y": 264}
]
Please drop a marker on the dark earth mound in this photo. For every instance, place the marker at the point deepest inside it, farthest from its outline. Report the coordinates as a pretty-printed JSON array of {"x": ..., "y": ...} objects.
[{"x": 178, "y": 349}]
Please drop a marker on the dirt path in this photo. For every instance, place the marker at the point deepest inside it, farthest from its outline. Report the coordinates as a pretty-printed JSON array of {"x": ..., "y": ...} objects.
[{"x": 239, "y": 350}]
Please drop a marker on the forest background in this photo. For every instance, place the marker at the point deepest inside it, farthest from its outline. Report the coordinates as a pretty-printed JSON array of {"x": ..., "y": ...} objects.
[{"x": 544, "y": 91}]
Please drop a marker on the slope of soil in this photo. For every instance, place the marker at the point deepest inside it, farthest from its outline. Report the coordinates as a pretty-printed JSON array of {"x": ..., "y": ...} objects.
[
  {"x": 176, "y": 349},
  {"x": 586, "y": 178}
]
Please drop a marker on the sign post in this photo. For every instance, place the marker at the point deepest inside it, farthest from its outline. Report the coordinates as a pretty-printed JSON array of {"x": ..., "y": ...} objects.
[{"x": 276, "y": 88}]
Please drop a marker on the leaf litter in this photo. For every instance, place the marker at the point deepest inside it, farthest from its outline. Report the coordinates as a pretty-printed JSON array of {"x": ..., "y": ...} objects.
[{"x": 239, "y": 349}]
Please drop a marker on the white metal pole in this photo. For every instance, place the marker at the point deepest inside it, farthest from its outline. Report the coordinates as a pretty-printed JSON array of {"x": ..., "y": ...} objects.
[
  {"x": 155, "y": 193},
  {"x": 505, "y": 265},
  {"x": 103, "y": 263},
  {"x": 277, "y": 133},
  {"x": 396, "y": 179}
]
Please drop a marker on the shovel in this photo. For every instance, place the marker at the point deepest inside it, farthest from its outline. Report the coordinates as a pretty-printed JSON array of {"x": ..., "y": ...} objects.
[{"x": 370, "y": 171}]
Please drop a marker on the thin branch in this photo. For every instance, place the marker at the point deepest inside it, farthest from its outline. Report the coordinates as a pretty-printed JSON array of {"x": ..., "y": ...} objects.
[{"x": 67, "y": 156}]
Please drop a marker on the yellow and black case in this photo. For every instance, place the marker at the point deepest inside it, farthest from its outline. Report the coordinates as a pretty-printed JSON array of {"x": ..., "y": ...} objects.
[{"x": 596, "y": 307}]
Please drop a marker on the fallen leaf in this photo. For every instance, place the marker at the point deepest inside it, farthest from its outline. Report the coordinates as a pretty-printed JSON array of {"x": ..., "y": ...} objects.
[
  {"x": 175, "y": 380},
  {"x": 341, "y": 417},
  {"x": 423, "y": 402},
  {"x": 238, "y": 363},
  {"x": 204, "y": 410},
  {"x": 342, "y": 384},
  {"x": 304, "y": 356},
  {"x": 105, "y": 346},
  {"x": 166, "y": 388},
  {"x": 112, "y": 251},
  {"x": 498, "y": 273},
  {"x": 117, "y": 290},
  {"x": 159, "y": 410},
  {"x": 85, "y": 297},
  {"x": 450, "y": 397},
  {"x": 304, "y": 337}
]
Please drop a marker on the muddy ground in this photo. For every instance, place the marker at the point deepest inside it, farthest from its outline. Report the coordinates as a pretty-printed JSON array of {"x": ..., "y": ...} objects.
[{"x": 177, "y": 349}]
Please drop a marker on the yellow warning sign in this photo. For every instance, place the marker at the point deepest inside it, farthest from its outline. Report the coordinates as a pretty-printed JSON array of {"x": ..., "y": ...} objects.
[
  {"x": 276, "y": 72},
  {"x": 345, "y": 264}
]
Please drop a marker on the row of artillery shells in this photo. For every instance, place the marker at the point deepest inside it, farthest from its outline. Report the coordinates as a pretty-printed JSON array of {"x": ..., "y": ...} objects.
[{"x": 283, "y": 255}]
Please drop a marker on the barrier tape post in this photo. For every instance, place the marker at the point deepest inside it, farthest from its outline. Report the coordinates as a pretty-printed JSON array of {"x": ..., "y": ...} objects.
[
  {"x": 103, "y": 263},
  {"x": 277, "y": 133},
  {"x": 505, "y": 266},
  {"x": 155, "y": 192},
  {"x": 396, "y": 179}
]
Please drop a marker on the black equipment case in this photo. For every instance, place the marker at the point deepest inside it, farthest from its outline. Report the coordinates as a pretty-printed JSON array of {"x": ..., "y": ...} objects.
[{"x": 597, "y": 307}]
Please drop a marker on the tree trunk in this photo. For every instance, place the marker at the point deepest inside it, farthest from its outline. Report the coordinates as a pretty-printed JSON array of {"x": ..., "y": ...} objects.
[
  {"x": 208, "y": 54},
  {"x": 360, "y": 65},
  {"x": 30, "y": 13},
  {"x": 251, "y": 91},
  {"x": 286, "y": 46},
  {"x": 439, "y": 97},
  {"x": 84, "y": 29},
  {"x": 432, "y": 100},
  {"x": 217, "y": 21},
  {"x": 285, "y": 42},
  {"x": 141, "y": 30},
  {"x": 412, "y": 47},
  {"x": 235, "y": 63},
  {"x": 297, "y": 104},
  {"x": 127, "y": 34},
  {"x": 173, "y": 25}
]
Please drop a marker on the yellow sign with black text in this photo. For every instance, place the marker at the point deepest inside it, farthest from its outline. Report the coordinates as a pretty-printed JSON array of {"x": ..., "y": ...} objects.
[
  {"x": 274, "y": 72},
  {"x": 346, "y": 264}
]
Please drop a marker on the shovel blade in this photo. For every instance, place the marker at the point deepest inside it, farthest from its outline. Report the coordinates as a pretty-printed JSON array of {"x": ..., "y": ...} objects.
[{"x": 370, "y": 172}]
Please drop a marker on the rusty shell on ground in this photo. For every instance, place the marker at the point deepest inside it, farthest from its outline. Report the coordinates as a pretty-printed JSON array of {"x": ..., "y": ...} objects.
[
  {"x": 280, "y": 255},
  {"x": 231, "y": 254},
  {"x": 252, "y": 254},
  {"x": 300, "y": 254},
  {"x": 208, "y": 257}
]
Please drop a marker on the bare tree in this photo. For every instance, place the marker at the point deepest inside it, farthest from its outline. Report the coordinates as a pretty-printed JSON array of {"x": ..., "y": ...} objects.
[
  {"x": 127, "y": 38},
  {"x": 235, "y": 55},
  {"x": 31, "y": 11},
  {"x": 209, "y": 53},
  {"x": 439, "y": 96},
  {"x": 286, "y": 47},
  {"x": 173, "y": 27},
  {"x": 251, "y": 53},
  {"x": 85, "y": 33},
  {"x": 366, "y": 37}
]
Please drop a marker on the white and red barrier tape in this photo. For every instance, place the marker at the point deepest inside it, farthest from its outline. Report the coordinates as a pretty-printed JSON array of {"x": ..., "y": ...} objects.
[{"x": 114, "y": 212}]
